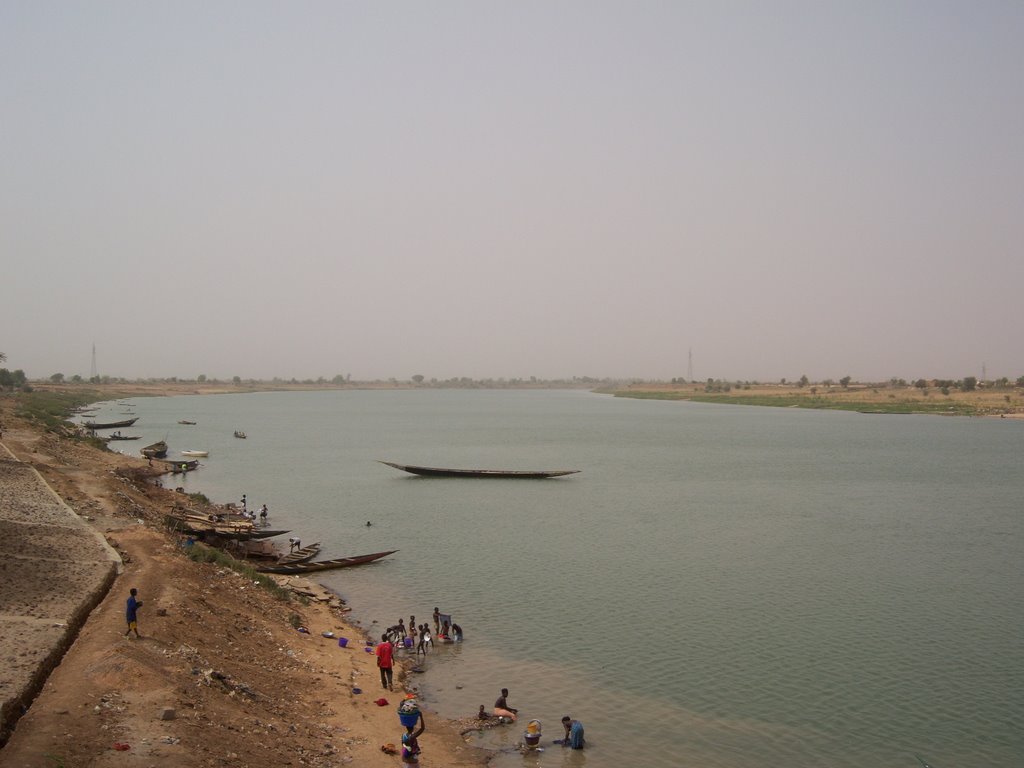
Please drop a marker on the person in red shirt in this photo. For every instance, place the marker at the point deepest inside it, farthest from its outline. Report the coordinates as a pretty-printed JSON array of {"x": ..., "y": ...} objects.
[{"x": 385, "y": 654}]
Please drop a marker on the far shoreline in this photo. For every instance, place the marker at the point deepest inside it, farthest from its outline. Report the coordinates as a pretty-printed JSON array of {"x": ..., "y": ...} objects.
[
  {"x": 1003, "y": 402},
  {"x": 984, "y": 399}
]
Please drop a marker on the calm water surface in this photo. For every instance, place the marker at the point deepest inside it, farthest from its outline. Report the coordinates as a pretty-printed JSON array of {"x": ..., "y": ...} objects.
[{"x": 722, "y": 587}]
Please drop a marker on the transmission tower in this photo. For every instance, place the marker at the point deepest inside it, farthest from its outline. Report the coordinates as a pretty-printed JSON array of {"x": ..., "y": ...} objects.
[
  {"x": 689, "y": 365},
  {"x": 92, "y": 370}
]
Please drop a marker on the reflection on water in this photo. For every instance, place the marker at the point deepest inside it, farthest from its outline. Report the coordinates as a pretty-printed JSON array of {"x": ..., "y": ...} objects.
[{"x": 720, "y": 587}]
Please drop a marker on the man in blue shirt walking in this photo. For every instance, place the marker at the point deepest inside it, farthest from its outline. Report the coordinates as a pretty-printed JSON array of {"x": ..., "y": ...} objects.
[{"x": 131, "y": 612}]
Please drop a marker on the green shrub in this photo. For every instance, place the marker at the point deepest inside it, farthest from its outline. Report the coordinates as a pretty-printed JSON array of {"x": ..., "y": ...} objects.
[
  {"x": 51, "y": 409},
  {"x": 201, "y": 553}
]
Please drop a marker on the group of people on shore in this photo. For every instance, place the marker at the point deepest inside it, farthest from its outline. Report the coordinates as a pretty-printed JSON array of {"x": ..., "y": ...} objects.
[
  {"x": 573, "y": 728},
  {"x": 251, "y": 514},
  {"x": 418, "y": 636},
  {"x": 406, "y": 637},
  {"x": 384, "y": 652}
]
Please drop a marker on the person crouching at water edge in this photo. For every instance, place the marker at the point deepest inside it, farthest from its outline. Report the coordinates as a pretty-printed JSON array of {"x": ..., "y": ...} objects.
[
  {"x": 573, "y": 733},
  {"x": 502, "y": 709}
]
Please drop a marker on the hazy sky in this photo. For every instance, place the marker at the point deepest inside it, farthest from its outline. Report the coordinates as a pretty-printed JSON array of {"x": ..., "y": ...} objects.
[{"x": 512, "y": 189}]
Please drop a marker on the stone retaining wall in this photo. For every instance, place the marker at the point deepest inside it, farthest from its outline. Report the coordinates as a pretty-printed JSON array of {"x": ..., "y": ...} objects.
[{"x": 54, "y": 569}]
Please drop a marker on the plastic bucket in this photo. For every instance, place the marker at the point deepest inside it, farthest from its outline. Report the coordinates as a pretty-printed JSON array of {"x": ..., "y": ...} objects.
[
  {"x": 532, "y": 739},
  {"x": 343, "y": 641},
  {"x": 408, "y": 720},
  {"x": 407, "y": 642}
]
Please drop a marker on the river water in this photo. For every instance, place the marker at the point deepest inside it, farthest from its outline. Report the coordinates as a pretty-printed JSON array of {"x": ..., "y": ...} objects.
[{"x": 721, "y": 586}]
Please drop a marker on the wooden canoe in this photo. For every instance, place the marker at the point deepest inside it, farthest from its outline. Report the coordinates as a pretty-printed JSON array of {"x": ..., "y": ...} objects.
[
  {"x": 155, "y": 451},
  {"x": 303, "y": 555},
  {"x": 265, "y": 533},
  {"x": 180, "y": 465},
  {"x": 261, "y": 549},
  {"x": 324, "y": 565},
  {"x": 199, "y": 525},
  {"x": 110, "y": 424},
  {"x": 256, "y": 549},
  {"x": 506, "y": 473},
  {"x": 124, "y": 437}
]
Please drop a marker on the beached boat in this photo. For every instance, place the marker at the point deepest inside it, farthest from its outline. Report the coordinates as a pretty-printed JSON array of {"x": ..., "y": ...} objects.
[
  {"x": 200, "y": 454},
  {"x": 258, "y": 548},
  {"x": 237, "y": 531},
  {"x": 303, "y": 555},
  {"x": 187, "y": 422},
  {"x": 155, "y": 451},
  {"x": 261, "y": 549},
  {"x": 323, "y": 565},
  {"x": 189, "y": 522},
  {"x": 265, "y": 533},
  {"x": 507, "y": 473},
  {"x": 110, "y": 424},
  {"x": 240, "y": 434},
  {"x": 226, "y": 531},
  {"x": 200, "y": 525}
]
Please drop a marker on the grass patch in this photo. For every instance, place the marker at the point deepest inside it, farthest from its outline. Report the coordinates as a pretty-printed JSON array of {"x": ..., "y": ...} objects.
[
  {"x": 50, "y": 410},
  {"x": 201, "y": 553}
]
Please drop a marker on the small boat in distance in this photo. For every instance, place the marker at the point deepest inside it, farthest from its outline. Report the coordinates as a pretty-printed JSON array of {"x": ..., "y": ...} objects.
[
  {"x": 323, "y": 565},
  {"x": 506, "y": 473},
  {"x": 183, "y": 421},
  {"x": 110, "y": 424},
  {"x": 155, "y": 451},
  {"x": 199, "y": 454},
  {"x": 240, "y": 434},
  {"x": 182, "y": 465},
  {"x": 117, "y": 436}
]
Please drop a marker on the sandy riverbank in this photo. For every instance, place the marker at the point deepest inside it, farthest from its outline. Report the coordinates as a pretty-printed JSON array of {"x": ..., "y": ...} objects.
[{"x": 220, "y": 657}]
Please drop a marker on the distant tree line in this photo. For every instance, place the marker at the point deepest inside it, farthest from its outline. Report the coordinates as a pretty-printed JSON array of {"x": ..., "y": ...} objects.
[
  {"x": 12, "y": 379},
  {"x": 341, "y": 380},
  {"x": 966, "y": 384},
  {"x": 15, "y": 380}
]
